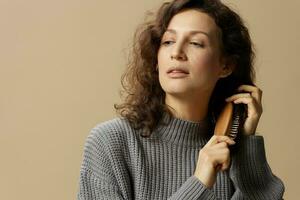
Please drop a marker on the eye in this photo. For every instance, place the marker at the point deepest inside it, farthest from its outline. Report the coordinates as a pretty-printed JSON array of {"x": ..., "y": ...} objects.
[
  {"x": 197, "y": 44},
  {"x": 167, "y": 42}
]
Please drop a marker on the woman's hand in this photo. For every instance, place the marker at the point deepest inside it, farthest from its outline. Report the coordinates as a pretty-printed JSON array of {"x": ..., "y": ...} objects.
[
  {"x": 213, "y": 157},
  {"x": 252, "y": 97}
]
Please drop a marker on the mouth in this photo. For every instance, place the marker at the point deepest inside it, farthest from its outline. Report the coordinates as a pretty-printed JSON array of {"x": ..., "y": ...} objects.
[
  {"x": 177, "y": 73},
  {"x": 177, "y": 70}
]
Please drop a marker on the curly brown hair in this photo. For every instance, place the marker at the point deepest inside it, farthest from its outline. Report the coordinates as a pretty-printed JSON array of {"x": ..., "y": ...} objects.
[{"x": 144, "y": 99}]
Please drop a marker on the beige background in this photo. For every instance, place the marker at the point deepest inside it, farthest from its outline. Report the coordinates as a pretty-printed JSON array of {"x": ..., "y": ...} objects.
[{"x": 60, "y": 68}]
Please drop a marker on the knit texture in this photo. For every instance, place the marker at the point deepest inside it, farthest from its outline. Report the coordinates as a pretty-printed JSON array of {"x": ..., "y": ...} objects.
[{"x": 120, "y": 164}]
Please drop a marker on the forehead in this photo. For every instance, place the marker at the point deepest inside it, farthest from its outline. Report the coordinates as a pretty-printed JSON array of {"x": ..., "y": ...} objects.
[{"x": 193, "y": 20}]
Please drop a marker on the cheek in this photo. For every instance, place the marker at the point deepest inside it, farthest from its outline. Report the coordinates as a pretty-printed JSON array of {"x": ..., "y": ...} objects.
[
  {"x": 207, "y": 64},
  {"x": 206, "y": 71},
  {"x": 161, "y": 58}
]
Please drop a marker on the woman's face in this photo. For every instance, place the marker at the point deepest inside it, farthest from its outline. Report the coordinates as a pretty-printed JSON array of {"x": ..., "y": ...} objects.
[{"x": 190, "y": 44}]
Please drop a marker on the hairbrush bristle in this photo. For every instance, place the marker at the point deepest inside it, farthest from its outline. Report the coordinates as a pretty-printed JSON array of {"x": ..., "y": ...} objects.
[{"x": 234, "y": 127}]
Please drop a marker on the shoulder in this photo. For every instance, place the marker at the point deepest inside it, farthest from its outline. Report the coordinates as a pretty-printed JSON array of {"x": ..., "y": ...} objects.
[
  {"x": 116, "y": 126},
  {"x": 111, "y": 133},
  {"x": 106, "y": 145}
]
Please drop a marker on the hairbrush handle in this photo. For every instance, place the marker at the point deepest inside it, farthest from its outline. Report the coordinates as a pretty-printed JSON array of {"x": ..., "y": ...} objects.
[{"x": 224, "y": 121}]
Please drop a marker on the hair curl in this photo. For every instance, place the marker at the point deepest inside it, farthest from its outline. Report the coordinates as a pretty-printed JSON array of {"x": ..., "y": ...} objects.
[{"x": 144, "y": 104}]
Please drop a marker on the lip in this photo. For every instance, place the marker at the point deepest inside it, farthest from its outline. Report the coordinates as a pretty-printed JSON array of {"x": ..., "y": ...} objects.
[
  {"x": 177, "y": 70},
  {"x": 177, "y": 74}
]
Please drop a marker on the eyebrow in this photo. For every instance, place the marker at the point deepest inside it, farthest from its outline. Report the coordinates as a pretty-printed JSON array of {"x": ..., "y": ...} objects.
[{"x": 190, "y": 32}]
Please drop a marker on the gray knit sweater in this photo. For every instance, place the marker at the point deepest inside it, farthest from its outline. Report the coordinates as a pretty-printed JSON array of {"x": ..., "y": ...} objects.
[{"x": 120, "y": 164}]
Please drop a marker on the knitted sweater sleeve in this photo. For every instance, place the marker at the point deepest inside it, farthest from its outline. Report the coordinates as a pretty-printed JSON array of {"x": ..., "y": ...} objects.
[
  {"x": 251, "y": 174},
  {"x": 194, "y": 189},
  {"x": 98, "y": 179}
]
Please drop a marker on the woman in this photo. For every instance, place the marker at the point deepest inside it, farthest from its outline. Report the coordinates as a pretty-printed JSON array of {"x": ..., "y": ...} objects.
[{"x": 187, "y": 63}]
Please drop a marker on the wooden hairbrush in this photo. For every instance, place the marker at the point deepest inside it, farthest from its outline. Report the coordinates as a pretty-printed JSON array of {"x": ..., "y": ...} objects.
[{"x": 228, "y": 121}]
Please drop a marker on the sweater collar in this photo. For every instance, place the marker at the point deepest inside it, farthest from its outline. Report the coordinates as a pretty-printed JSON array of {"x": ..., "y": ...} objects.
[{"x": 184, "y": 132}]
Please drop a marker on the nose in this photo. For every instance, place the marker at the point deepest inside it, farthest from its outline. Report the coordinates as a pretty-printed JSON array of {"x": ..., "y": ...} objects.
[{"x": 178, "y": 52}]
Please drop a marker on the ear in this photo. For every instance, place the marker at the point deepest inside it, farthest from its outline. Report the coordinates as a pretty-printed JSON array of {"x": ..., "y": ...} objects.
[{"x": 227, "y": 68}]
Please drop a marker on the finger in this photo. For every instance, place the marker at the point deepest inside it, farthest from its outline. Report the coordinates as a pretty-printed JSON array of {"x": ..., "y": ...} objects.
[
  {"x": 222, "y": 145},
  {"x": 254, "y": 109},
  {"x": 236, "y": 96},
  {"x": 217, "y": 139},
  {"x": 248, "y": 88},
  {"x": 220, "y": 156},
  {"x": 244, "y": 100},
  {"x": 225, "y": 165},
  {"x": 255, "y": 91}
]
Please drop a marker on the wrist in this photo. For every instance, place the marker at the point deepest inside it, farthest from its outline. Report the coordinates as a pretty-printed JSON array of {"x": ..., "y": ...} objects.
[{"x": 206, "y": 176}]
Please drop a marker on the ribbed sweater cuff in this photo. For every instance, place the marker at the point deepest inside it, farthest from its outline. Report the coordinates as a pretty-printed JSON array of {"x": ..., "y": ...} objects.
[
  {"x": 251, "y": 173},
  {"x": 193, "y": 188},
  {"x": 252, "y": 150}
]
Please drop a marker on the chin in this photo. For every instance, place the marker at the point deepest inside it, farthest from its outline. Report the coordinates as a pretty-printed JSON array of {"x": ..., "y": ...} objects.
[
  {"x": 176, "y": 91},
  {"x": 176, "y": 87}
]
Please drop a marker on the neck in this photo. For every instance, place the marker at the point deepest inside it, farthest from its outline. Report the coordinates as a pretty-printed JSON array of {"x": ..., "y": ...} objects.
[
  {"x": 192, "y": 109},
  {"x": 183, "y": 132}
]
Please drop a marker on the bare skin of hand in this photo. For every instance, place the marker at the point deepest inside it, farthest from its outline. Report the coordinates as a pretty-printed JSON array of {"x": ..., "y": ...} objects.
[
  {"x": 251, "y": 96},
  {"x": 213, "y": 157}
]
